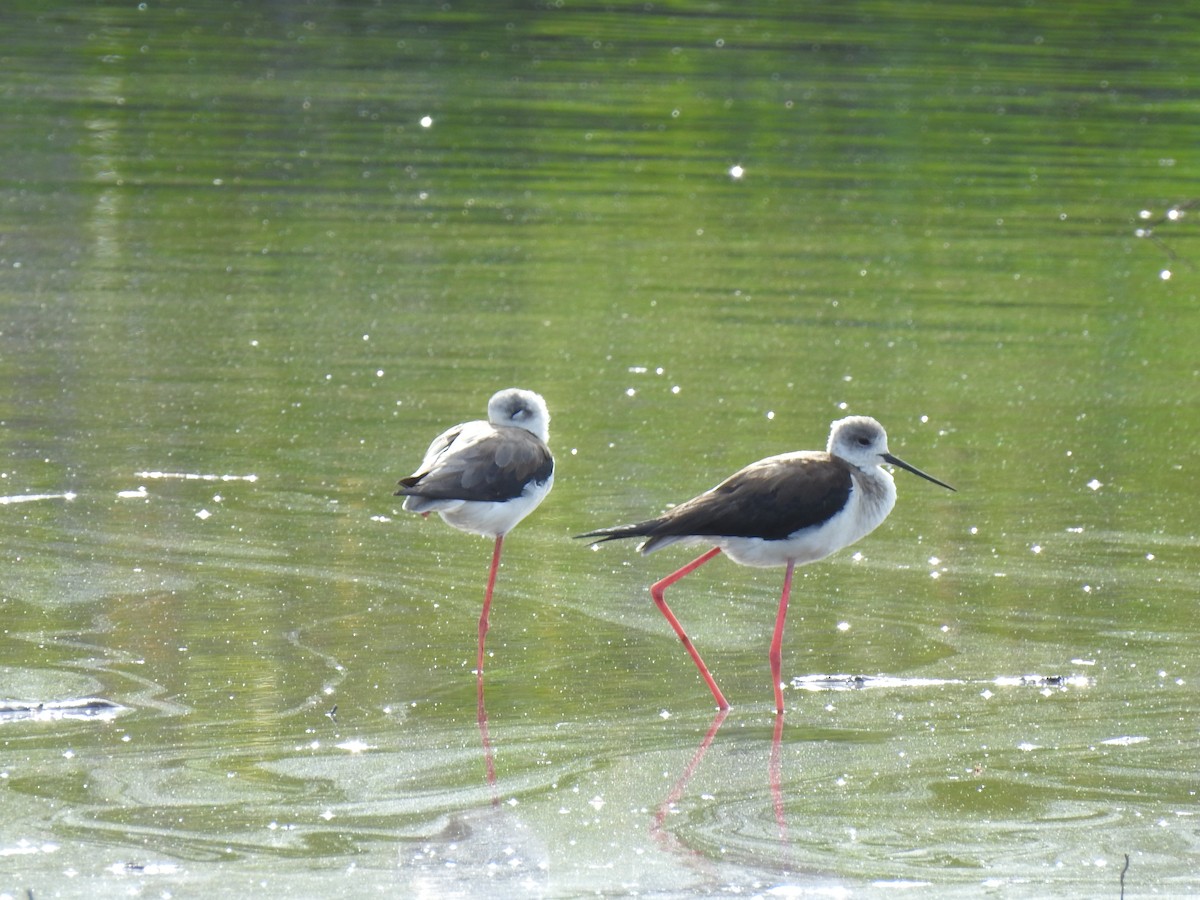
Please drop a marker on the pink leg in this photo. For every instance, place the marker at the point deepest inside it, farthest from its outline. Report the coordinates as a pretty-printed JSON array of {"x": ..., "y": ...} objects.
[
  {"x": 656, "y": 591},
  {"x": 776, "y": 654},
  {"x": 487, "y": 604}
]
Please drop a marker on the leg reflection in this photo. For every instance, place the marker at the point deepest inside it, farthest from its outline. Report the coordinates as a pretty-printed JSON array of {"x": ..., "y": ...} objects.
[
  {"x": 676, "y": 792},
  {"x": 775, "y": 776},
  {"x": 489, "y": 760},
  {"x": 774, "y": 781}
]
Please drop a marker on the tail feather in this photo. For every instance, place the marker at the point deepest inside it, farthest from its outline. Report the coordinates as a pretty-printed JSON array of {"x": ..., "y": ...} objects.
[
  {"x": 620, "y": 531},
  {"x": 650, "y": 530}
]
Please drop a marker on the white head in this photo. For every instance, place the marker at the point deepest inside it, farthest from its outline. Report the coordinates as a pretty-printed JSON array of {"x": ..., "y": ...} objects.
[
  {"x": 521, "y": 409},
  {"x": 859, "y": 440},
  {"x": 862, "y": 442}
]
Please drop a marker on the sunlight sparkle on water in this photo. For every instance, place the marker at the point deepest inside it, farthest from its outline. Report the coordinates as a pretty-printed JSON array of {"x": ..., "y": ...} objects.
[
  {"x": 192, "y": 476},
  {"x": 1124, "y": 741},
  {"x": 24, "y": 847},
  {"x": 29, "y": 498}
]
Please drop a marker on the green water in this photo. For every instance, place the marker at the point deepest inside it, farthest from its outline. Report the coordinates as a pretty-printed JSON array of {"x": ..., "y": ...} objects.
[{"x": 277, "y": 248}]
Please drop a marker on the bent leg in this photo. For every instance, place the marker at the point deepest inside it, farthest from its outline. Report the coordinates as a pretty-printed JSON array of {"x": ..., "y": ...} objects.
[{"x": 656, "y": 591}]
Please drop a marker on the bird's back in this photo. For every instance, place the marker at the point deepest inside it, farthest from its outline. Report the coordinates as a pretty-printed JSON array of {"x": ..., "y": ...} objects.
[{"x": 477, "y": 462}]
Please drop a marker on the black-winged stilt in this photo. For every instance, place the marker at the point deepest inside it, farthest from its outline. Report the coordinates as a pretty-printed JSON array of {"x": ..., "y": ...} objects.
[
  {"x": 784, "y": 510},
  {"x": 485, "y": 477}
]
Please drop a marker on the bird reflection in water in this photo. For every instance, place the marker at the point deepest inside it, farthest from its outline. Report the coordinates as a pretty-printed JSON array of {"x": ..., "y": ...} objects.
[
  {"x": 667, "y": 807},
  {"x": 489, "y": 758}
]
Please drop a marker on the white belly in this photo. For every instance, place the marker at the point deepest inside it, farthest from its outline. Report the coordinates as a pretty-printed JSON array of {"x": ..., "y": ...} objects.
[
  {"x": 488, "y": 518},
  {"x": 869, "y": 504}
]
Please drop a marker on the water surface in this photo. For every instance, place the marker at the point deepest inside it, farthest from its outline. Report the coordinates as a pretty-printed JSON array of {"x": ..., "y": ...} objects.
[{"x": 256, "y": 258}]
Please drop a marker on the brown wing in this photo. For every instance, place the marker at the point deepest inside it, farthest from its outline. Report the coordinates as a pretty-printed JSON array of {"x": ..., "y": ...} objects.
[
  {"x": 770, "y": 499},
  {"x": 496, "y": 467}
]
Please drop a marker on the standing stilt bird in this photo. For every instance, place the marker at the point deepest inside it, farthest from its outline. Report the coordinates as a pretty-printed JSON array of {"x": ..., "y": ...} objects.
[
  {"x": 784, "y": 510},
  {"x": 485, "y": 477}
]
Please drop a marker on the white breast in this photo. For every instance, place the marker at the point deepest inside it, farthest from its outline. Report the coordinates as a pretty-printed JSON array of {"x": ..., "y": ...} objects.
[{"x": 489, "y": 518}]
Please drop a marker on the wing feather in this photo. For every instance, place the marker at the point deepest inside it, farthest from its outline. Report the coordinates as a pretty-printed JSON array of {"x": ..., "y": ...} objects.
[
  {"x": 771, "y": 499},
  {"x": 494, "y": 467}
]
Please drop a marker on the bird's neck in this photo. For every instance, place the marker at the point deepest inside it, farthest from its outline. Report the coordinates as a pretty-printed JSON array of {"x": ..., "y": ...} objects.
[{"x": 878, "y": 492}]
